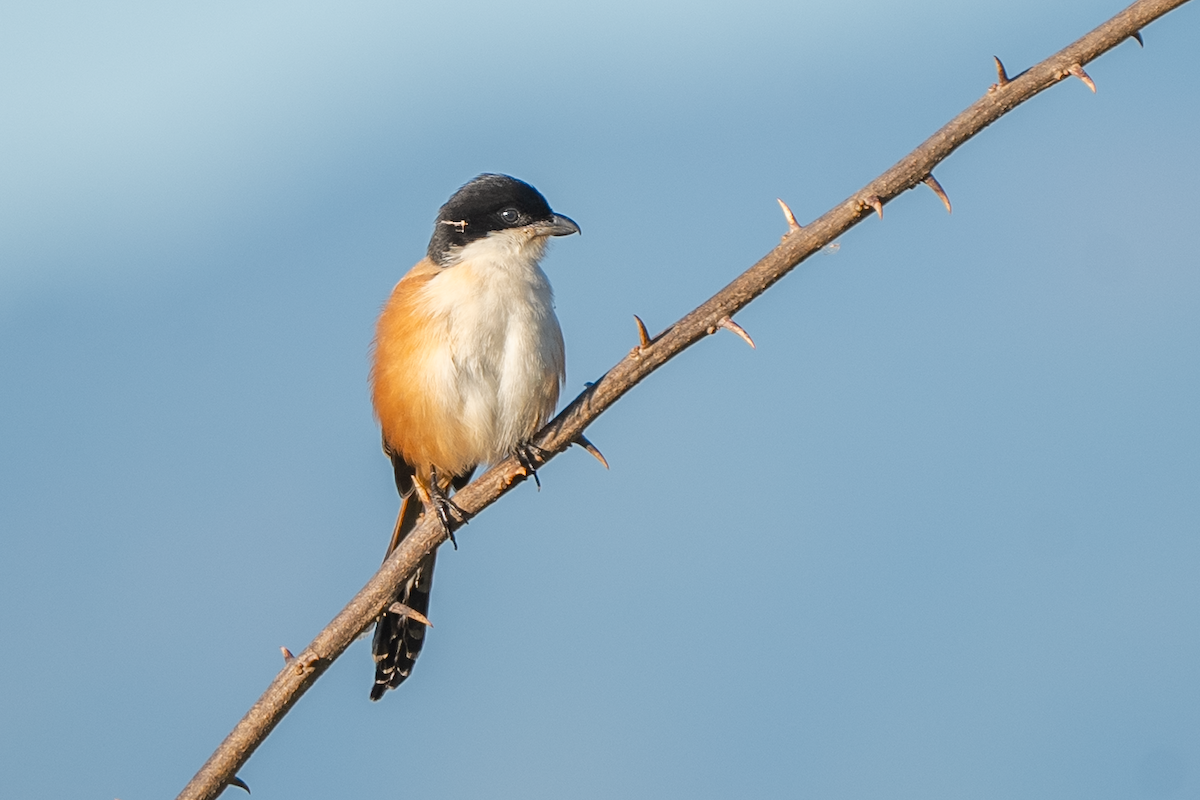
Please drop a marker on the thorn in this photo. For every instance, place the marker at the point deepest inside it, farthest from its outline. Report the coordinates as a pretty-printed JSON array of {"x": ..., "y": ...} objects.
[
  {"x": 404, "y": 611},
  {"x": 642, "y": 334},
  {"x": 1138, "y": 36},
  {"x": 789, "y": 216},
  {"x": 583, "y": 442},
  {"x": 287, "y": 655},
  {"x": 1078, "y": 72},
  {"x": 238, "y": 782},
  {"x": 729, "y": 325},
  {"x": 932, "y": 183},
  {"x": 1001, "y": 74},
  {"x": 872, "y": 202}
]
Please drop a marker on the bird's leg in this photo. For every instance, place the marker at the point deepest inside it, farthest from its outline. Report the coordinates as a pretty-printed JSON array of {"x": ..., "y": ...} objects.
[
  {"x": 529, "y": 456},
  {"x": 444, "y": 507}
]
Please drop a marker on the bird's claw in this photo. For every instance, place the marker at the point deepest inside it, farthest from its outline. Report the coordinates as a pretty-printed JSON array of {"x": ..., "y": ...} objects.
[
  {"x": 447, "y": 510},
  {"x": 530, "y": 456}
]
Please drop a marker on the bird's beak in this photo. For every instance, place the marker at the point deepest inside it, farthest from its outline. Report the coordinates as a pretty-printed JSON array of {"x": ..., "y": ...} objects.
[{"x": 557, "y": 225}]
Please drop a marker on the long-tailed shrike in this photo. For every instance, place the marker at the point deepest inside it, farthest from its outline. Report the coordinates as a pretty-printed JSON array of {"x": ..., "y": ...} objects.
[{"x": 468, "y": 363}]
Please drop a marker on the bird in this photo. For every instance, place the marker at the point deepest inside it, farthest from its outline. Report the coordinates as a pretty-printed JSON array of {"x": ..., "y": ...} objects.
[{"x": 467, "y": 364}]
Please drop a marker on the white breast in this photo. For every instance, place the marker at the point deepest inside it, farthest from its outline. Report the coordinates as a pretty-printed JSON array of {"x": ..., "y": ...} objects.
[{"x": 500, "y": 362}]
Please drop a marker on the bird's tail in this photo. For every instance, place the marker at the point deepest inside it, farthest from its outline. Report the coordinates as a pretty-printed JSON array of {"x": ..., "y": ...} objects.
[{"x": 398, "y": 638}]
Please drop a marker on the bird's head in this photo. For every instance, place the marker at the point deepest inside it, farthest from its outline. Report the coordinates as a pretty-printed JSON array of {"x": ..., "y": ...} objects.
[{"x": 500, "y": 210}]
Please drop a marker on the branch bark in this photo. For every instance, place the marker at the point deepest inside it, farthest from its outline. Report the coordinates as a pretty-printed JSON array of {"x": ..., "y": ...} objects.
[{"x": 302, "y": 671}]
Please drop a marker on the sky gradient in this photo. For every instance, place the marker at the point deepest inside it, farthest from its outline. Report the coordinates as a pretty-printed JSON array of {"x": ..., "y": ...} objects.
[{"x": 937, "y": 536}]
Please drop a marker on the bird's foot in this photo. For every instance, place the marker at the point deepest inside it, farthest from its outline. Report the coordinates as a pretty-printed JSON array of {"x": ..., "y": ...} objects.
[
  {"x": 448, "y": 512},
  {"x": 530, "y": 457},
  {"x": 446, "y": 509}
]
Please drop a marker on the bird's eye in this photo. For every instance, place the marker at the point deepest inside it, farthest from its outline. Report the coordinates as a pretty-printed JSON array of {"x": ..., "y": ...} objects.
[{"x": 509, "y": 216}]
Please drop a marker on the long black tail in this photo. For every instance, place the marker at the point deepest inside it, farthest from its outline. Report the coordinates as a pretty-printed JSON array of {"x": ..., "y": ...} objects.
[{"x": 398, "y": 639}]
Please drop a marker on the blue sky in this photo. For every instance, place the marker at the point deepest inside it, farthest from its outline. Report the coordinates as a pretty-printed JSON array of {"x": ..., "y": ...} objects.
[{"x": 938, "y": 536}]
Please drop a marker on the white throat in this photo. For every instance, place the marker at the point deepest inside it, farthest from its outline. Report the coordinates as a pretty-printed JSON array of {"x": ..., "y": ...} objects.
[{"x": 507, "y": 250}]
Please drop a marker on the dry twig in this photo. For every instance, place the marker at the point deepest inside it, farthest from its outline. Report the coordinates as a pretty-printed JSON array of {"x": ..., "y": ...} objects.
[{"x": 799, "y": 243}]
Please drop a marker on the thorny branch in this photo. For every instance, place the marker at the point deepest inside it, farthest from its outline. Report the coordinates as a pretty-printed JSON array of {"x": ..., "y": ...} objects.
[{"x": 301, "y": 671}]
